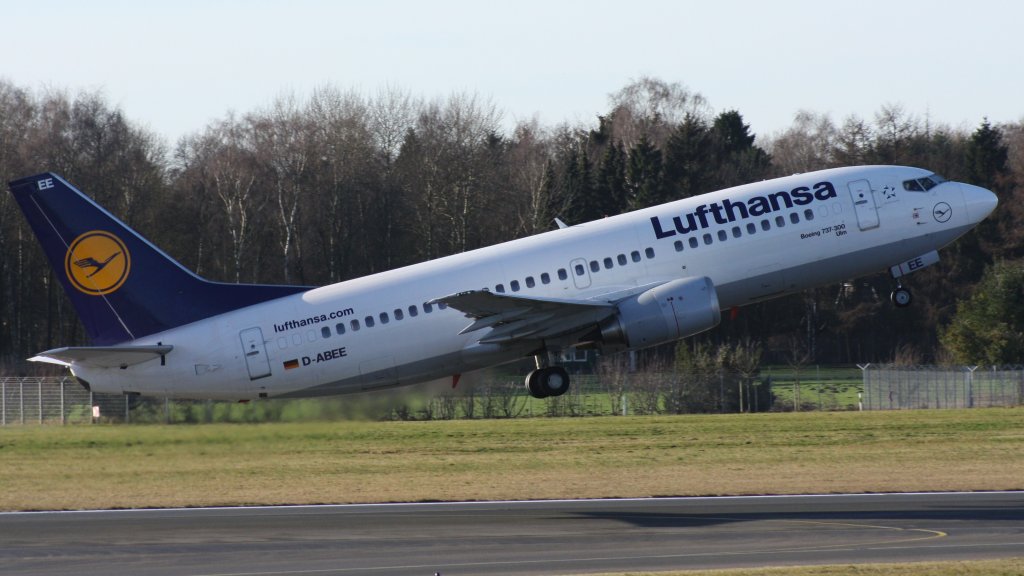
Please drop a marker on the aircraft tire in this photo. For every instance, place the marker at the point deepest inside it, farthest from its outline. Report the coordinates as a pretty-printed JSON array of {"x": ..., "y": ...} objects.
[
  {"x": 547, "y": 382},
  {"x": 901, "y": 297},
  {"x": 556, "y": 380},
  {"x": 533, "y": 384}
]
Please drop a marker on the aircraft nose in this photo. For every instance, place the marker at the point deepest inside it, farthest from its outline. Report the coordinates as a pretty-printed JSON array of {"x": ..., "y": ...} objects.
[{"x": 980, "y": 202}]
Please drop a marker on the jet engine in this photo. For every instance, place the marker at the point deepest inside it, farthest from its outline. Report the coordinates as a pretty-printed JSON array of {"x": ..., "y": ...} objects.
[{"x": 674, "y": 310}]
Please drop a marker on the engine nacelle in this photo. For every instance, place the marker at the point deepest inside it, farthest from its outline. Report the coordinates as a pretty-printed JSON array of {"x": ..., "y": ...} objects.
[{"x": 674, "y": 310}]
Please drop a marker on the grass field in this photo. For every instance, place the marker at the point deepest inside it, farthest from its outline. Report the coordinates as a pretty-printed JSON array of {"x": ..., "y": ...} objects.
[
  {"x": 1010, "y": 567},
  {"x": 78, "y": 467}
]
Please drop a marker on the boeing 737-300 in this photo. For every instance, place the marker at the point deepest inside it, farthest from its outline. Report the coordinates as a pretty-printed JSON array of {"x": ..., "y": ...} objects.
[{"x": 626, "y": 282}]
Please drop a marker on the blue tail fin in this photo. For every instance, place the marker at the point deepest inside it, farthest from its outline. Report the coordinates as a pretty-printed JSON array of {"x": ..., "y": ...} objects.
[{"x": 122, "y": 286}]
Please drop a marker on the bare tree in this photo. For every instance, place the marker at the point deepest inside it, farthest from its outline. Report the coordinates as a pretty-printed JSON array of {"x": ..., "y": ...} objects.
[
  {"x": 651, "y": 108},
  {"x": 805, "y": 146}
]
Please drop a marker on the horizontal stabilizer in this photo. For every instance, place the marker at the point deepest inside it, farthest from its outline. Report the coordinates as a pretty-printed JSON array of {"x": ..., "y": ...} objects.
[{"x": 102, "y": 356}]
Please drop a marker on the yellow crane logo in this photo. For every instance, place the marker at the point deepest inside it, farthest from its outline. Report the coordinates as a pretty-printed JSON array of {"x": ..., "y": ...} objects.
[{"x": 97, "y": 263}]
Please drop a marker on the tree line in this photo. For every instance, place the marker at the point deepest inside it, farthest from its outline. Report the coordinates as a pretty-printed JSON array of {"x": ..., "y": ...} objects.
[{"x": 340, "y": 184}]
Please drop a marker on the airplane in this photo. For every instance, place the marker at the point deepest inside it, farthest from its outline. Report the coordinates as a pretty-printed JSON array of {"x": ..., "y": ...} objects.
[{"x": 625, "y": 282}]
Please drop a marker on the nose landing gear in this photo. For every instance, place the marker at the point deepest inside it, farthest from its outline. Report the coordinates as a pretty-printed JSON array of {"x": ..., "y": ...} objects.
[{"x": 900, "y": 296}]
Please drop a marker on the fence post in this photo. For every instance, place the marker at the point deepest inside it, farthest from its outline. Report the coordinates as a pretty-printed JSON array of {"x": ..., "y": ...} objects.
[
  {"x": 62, "y": 422},
  {"x": 3, "y": 394},
  {"x": 970, "y": 385},
  {"x": 21, "y": 400},
  {"x": 864, "y": 383}
]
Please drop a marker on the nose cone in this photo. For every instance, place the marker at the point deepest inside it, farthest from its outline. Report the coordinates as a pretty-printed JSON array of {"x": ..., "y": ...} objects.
[{"x": 979, "y": 201}]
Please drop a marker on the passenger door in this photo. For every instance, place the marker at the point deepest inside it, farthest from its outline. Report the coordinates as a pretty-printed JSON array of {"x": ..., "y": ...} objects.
[
  {"x": 255, "y": 351},
  {"x": 864, "y": 204}
]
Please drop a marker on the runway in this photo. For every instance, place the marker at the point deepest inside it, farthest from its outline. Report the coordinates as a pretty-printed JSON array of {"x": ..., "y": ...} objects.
[{"x": 516, "y": 538}]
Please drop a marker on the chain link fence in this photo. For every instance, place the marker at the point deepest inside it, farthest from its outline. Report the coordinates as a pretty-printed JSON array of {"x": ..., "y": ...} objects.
[
  {"x": 920, "y": 387},
  {"x": 61, "y": 400}
]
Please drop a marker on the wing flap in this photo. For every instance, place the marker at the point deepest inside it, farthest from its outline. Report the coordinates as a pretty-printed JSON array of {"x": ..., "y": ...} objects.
[
  {"x": 517, "y": 318},
  {"x": 102, "y": 356}
]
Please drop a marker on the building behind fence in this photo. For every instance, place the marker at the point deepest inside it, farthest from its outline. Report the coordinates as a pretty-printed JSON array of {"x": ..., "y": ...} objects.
[{"x": 61, "y": 400}]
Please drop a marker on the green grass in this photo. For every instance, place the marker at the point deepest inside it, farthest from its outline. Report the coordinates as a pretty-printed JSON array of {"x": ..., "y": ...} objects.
[
  {"x": 104, "y": 466},
  {"x": 1007, "y": 567}
]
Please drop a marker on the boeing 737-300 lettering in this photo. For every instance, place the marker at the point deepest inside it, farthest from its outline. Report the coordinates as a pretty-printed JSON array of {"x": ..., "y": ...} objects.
[{"x": 626, "y": 282}]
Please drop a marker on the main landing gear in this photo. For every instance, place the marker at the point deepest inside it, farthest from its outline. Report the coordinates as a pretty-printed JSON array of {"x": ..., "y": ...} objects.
[
  {"x": 900, "y": 296},
  {"x": 547, "y": 381}
]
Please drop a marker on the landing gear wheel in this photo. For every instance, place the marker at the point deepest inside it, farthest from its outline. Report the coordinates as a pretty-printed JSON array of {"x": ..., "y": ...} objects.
[
  {"x": 545, "y": 382},
  {"x": 901, "y": 297}
]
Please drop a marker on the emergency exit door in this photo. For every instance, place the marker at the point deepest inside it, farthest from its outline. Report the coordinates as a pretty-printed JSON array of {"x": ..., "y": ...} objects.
[{"x": 255, "y": 353}]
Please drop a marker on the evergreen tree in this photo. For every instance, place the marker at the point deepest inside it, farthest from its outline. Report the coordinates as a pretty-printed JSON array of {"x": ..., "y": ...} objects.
[
  {"x": 985, "y": 159},
  {"x": 988, "y": 328},
  {"x": 643, "y": 184},
  {"x": 737, "y": 159},
  {"x": 986, "y": 156},
  {"x": 609, "y": 187},
  {"x": 687, "y": 159}
]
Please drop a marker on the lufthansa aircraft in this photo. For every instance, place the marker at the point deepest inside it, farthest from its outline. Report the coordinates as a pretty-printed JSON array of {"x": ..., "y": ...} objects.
[{"x": 627, "y": 282}]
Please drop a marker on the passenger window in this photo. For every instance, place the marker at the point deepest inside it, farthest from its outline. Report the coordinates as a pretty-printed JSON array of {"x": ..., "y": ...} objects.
[
  {"x": 594, "y": 266},
  {"x": 622, "y": 259},
  {"x": 679, "y": 245},
  {"x": 514, "y": 285},
  {"x": 736, "y": 232},
  {"x": 780, "y": 222},
  {"x": 545, "y": 278},
  {"x": 355, "y": 325},
  {"x": 529, "y": 282},
  {"x": 751, "y": 229},
  {"x": 282, "y": 342},
  {"x": 766, "y": 225},
  {"x": 693, "y": 242},
  {"x": 297, "y": 339},
  {"x": 707, "y": 239},
  {"x": 722, "y": 235},
  {"x": 442, "y": 306},
  {"x": 635, "y": 256},
  {"x": 580, "y": 270},
  {"x": 339, "y": 328},
  {"x": 369, "y": 321},
  {"x": 562, "y": 274},
  {"x": 607, "y": 263},
  {"x": 649, "y": 252},
  {"x": 398, "y": 314},
  {"x": 500, "y": 288},
  {"x": 325, "y": 332},
  {"x": 413, "y": 311},
  {"x": 428, "y": 307},
  {"x": 794, "y": 218},
  {"x": 384, "y": 319},
  {"x": 808, "y": 214}
]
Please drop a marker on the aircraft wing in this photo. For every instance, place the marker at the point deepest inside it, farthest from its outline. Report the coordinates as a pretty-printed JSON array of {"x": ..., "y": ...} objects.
[
  {"x": 102, "y": 356},
  {"x": 516, "y": 318}
]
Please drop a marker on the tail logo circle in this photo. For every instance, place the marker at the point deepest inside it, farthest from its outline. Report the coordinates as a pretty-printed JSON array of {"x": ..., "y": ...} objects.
[{"x": 97, "y": 263}]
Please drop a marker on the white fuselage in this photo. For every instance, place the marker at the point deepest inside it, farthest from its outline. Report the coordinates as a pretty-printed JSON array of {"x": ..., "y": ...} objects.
[{"x": 294, "y": 346}]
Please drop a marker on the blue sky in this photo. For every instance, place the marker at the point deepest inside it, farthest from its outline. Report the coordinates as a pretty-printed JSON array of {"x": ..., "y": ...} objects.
[{"x": 175, "y": 66}]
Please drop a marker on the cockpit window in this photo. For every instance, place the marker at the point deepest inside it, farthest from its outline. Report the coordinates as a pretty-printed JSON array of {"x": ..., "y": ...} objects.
[{"x": 923, "y": 184}]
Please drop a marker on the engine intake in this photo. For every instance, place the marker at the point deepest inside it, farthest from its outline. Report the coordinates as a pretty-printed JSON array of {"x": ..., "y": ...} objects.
[{"x": 674, "y": 310}]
